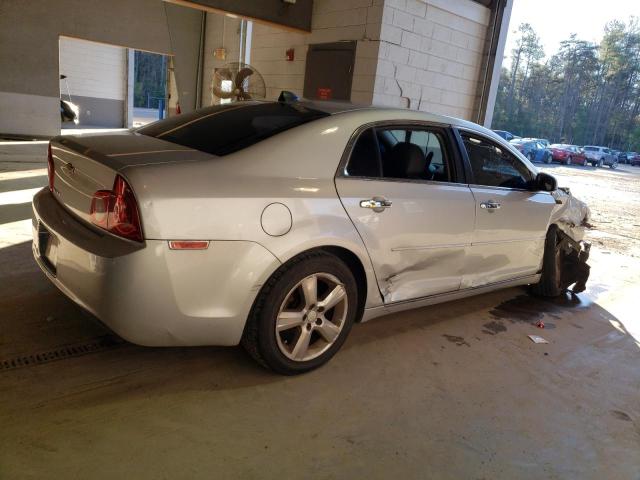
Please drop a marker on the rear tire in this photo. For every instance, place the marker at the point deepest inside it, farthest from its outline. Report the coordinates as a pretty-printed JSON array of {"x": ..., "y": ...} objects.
[
  {"x": 289, "y": 330},
  {"x": 600, "y": 163},
  {"x": 550, "y": 284},
  {"x": 568, "y": 162}
]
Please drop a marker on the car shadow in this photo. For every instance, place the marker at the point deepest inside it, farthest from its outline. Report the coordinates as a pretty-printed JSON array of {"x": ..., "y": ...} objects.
[{"x": 35, "y": 319}]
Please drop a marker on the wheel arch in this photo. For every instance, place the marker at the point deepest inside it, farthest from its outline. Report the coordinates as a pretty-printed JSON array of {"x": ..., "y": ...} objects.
[
  {"x": 363, "y": 273},
  {"x": 357, "y": 268}
]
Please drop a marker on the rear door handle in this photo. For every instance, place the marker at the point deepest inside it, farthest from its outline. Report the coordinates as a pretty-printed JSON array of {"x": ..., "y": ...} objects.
[
  {"x": 490, "y": 205},
  {"x": 377, "y": 204}
]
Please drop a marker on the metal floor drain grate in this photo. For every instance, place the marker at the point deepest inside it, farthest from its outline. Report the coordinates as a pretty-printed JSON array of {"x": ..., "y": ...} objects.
[{"x": 62, "y": 353}]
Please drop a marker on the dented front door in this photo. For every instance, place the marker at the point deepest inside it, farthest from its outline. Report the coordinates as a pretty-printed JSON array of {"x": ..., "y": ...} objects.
[{"x": 416, "y": 232}]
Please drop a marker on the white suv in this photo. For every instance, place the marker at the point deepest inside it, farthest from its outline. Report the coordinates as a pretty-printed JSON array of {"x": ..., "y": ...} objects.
[{"x": 600, "y": 156}]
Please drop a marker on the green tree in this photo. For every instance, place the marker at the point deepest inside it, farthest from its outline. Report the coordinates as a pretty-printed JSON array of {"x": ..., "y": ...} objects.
[{"x": 583, "y": 94}]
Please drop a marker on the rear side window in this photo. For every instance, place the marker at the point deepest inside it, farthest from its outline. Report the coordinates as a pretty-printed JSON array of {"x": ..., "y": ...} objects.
[
  {"x": 365, "y": 156},
  {"x": 224, "y": 129},
  {"x": 400, "y": 153},
  {"x": 493, "y": 165}
]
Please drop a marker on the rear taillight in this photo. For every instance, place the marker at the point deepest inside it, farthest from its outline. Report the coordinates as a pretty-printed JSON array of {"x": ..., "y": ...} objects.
[
  {"x": 50, "y": 168},
  {"x": 117, "y": 211}
]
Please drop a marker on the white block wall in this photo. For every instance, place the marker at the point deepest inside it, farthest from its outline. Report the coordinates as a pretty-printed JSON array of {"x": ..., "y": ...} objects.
[
  {"x": 332, "y": 21},
  {"x": 93, "y": 69},
  {"x": 419, "y": 54},
  {"x": 430, "y": 56}
]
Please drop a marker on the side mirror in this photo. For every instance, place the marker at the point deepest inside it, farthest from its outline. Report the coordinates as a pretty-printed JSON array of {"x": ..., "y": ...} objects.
[{"x": 545, "y": 182}]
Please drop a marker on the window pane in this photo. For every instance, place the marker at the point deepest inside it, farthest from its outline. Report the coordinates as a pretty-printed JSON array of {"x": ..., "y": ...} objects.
[
  {"x": 223, "y": 129},
  {"x": 416, "y": 154},
  {"x": 494, "y": 166},
  {"x": 365, "y": 158}
]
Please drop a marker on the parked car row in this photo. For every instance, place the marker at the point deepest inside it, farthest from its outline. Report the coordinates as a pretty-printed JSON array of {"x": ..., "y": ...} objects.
[
  {"x": 630, "y": 158},
  {"x": 540, "y": 150}
]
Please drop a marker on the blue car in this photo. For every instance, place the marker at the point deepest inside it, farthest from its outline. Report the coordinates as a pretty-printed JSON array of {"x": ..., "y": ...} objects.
[
  {"x": 508, "y": 136},
  {"x": 533, "y": 150}
]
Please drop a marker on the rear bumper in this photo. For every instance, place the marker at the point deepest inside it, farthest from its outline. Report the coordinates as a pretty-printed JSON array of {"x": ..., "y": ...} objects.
[{"x": 149, "y": 294}]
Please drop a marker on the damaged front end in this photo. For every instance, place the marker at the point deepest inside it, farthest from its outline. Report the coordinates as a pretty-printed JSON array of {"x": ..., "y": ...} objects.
[{"x": 572, "y": 219}]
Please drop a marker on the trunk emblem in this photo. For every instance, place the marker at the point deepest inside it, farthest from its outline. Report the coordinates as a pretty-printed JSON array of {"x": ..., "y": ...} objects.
[{"x": 69, "y": 168}]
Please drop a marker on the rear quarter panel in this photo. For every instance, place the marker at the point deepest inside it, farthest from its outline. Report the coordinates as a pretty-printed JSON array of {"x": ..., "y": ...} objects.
[{"x": 223, "y": 198}]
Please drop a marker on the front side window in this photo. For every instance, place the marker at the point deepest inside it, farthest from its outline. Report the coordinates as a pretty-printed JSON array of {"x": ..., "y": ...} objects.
[
  {"x": 493, "y": 165},
  {"x": 401, "y": 153}
]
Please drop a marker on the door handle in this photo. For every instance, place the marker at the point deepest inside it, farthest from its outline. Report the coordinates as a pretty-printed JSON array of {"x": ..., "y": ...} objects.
[
  {"x": 377, "y": 204},
  {"x": 490, "y": 205}
]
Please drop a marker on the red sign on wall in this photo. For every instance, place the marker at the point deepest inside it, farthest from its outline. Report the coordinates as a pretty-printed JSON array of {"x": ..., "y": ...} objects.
[{"x": 323, "y": 93}]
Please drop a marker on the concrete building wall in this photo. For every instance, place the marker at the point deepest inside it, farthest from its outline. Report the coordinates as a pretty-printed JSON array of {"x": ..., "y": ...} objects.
[
  {"x": 332, "y": 21},
  {"x": 97, "y": 77},
  {"x": 430, "y": 55},
  {"x": 221, "y": 32},
  {"x": 418, "y": 54},
  {"x": 185, "y": 31},
  {"x": 29, "y": 35}
]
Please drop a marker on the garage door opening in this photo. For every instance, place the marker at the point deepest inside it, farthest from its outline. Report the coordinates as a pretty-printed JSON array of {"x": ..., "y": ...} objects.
[
  {"x": 109, "y": 87},
  {"x": 155, "y": 95}
]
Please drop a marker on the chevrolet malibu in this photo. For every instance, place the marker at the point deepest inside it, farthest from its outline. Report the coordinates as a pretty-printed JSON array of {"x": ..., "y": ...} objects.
[{"x": 279, "y": 224}]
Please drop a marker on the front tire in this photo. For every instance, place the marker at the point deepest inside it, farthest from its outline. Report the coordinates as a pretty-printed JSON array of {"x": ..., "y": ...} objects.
[
  {"x": 550, "y": 284},
  {"x": 303, "y": 314},
  {"x": 568, "y": 161}
]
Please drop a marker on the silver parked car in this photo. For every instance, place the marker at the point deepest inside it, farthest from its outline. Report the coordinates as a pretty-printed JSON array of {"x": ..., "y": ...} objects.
[
  {"x": 600, "y": 156},
  {"x": 279, "y": 224}
]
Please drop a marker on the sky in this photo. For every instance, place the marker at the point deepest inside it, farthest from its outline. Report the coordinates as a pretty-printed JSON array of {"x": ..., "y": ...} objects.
[{"x": 555, "y": 20}]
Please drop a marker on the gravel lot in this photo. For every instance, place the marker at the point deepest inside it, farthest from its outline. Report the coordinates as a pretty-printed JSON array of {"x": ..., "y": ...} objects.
[{"x": 614, "y": 199}]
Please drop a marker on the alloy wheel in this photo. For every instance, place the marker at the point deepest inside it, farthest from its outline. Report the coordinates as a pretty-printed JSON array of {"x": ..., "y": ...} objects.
[{"x": 311, "y": 317}]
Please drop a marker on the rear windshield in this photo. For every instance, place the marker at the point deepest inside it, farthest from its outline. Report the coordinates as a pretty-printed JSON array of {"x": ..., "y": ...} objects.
[{"x": 224, "y": 129}]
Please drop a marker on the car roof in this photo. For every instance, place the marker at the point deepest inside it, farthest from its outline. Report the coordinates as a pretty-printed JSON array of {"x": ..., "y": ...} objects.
[{"x": 332, "y": 107}]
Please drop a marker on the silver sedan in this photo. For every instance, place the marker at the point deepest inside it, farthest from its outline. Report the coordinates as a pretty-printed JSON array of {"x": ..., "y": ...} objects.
[{"x": 279, "y": 224}]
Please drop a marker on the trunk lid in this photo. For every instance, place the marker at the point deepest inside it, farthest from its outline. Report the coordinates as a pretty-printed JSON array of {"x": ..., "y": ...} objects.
[{"x": 85, "y": 164}]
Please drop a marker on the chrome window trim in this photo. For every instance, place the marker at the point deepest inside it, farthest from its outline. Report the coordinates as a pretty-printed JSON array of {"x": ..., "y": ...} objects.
[
  {"x": 511, "y": 189},
  {"x": 405, "y": 180}
]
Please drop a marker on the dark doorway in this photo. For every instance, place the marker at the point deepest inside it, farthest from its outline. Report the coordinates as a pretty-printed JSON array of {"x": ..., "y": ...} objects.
[{"x": 329, "y": 71}]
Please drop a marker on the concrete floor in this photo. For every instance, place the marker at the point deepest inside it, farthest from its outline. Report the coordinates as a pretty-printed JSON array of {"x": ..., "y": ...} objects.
[{"x": 451, "y": 391}]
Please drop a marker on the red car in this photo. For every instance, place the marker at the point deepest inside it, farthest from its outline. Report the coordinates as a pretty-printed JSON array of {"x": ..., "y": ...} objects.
[
  {"x": 568, "y": 154},
  {"x": 634, "y": 159}
]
